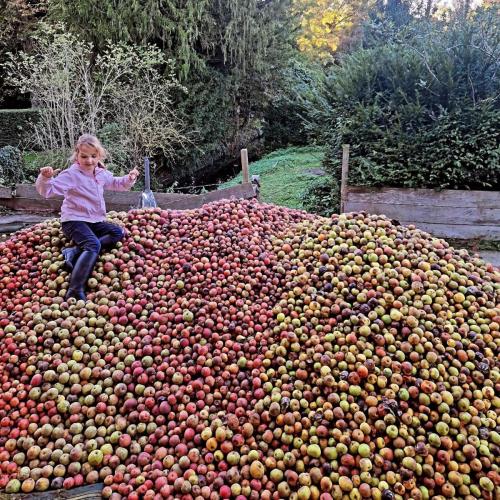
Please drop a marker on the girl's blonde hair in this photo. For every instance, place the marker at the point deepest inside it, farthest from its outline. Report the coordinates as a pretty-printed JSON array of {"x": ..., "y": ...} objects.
[{"x": 92, "y": 141}]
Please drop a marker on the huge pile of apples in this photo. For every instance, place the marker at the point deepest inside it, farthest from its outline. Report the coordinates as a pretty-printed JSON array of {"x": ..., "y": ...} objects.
[{"x": 244, "y": 350}]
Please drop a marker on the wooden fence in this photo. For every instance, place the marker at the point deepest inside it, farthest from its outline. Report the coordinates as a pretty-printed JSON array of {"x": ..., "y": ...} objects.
[
  {"x": 448, "y": 213},
  {"x": 27, "y": 207},
  {"x": 24, "y": 197}
]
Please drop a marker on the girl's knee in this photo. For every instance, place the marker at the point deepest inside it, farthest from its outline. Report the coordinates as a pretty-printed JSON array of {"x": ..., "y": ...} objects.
[{"x": 118, "y": 234}]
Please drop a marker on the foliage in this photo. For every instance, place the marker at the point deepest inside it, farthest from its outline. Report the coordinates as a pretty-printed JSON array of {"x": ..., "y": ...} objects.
[
  {"x": 113, "y": 137},
  {"x": 322, "y": 196},
  {"x": 286, "y": 175},
  {"x": 228, "y": 34},
  {"x": 208, "y": 110},
  {"x": 249, "y": 46},
  {"x": 35, "y": 160},
  {"x": 288, "y": 118},
  {"x": 227, "y": 53},
  {"x": 17, "y": 23},
  {"x": 76, "y": 92},
  {"x": 11, "y": 166},
  {"x": 243, "y": 41},
  {"x": 325, "y": 24},
  {"x": 175, "y": 26},
  {"x": 475, "y": 245},
  {"x": 144, "y": 110},
  {"x": 15, "y": 125},
  {"x": 421, "y": 111},
  {"x": 459, "y": 150}
]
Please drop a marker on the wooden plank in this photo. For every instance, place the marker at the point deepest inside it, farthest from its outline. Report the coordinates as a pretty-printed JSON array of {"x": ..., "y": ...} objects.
[
  {"x": 110, "y": 197},
  {"x": 29, "y": 191},
  {"x": 176, "y": 201},
  {"x": 244, "y": 166},
  {"x": 425, "y": 197},
  {"x": 12, "y": 228},
  {"x": 459, "y": 231},
  {"x": 491, "y": 257},
  {"x": 5, "y": 192},
  {"x": 89, "y": 492},
  {"x": 122, "y": 197},
  {"x": 173, "y": 197},
  {"x": 450, "y": 215},
  {"x": 12, "y": 223},
  {"x": 344, "y": 177},
  {"x": 121, "y": 201},
  {"x": 32, "y": 205},
  {"x": 28, "y": 199},
  {"x": 22, "y": 218},
  {"x": 240, "y": 191}
]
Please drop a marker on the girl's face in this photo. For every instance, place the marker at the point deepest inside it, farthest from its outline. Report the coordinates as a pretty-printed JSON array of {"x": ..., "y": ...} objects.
[{"x": 88, "y": 157}]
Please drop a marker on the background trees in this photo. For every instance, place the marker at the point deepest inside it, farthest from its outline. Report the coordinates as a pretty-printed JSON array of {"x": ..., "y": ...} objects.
[
  {"x": 421, "y": 110},
  {"x": 411, "y": 85},
  {"x": 18, "y": 21},
  {"x": 227, "y": 54},
  {"x": 124, "y": 89}
]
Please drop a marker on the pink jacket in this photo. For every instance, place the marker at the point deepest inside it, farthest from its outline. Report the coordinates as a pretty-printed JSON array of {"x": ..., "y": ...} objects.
[{"x": 83, "y": 193}]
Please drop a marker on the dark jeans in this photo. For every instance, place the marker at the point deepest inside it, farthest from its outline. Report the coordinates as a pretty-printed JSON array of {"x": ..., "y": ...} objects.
[{"x": 86, "y": 234}]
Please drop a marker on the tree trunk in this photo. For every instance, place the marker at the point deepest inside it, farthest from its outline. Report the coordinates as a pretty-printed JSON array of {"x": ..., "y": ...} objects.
[
  {"x": 463, "y": 8},
  {"x": 428, "y": 8}
]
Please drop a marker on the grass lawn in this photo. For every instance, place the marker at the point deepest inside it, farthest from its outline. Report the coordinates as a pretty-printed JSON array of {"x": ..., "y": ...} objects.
[{"x": 285, "y": 175}]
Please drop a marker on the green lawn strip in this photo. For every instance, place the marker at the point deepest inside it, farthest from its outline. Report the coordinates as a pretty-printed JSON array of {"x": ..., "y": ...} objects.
[{"x": 285, "y": 175}]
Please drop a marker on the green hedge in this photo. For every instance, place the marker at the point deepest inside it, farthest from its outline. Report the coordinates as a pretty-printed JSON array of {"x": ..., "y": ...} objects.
[
  {"x": 15, "y": 124},
  {"x": 420, "y": 110},
  {"x": 11, "y": 166},
  {"x": 457, "y": 150}
]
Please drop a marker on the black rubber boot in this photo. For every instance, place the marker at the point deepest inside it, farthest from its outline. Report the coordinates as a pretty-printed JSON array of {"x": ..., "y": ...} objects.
[
  {"x": 70, "y": 255},
  {"x": 81, "y": 272}
]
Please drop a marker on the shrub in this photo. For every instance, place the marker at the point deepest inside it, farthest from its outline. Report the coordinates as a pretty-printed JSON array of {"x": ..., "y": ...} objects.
[
  {"x": 15, "y": 125},
  {"x": 79, "y": 92},
  {"x": 289, "y": 114},
  {"x": 421, "y": 111},
  {"x": 11, "y": 166}
]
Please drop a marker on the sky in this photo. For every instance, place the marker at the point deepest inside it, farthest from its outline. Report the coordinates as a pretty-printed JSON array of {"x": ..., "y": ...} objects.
[{"x": 449, "y": 3}]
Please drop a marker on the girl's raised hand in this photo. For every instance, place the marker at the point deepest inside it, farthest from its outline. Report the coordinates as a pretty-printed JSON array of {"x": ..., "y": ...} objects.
[
  {"x": 48, "y": 172},
  {"x": 133, "y": 174}
]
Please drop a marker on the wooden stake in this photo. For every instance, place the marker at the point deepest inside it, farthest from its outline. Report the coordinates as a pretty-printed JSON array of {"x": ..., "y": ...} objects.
[
  {"x": 244, "y": 166},
  {"x": 343, "y": 179}
]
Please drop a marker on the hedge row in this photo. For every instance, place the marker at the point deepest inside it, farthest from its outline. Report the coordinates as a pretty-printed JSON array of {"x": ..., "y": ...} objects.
[{"x": 15, "y": 124}]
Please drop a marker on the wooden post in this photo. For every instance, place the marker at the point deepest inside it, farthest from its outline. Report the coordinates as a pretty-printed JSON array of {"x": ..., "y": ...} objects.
[
  {"x": 244, "y": 166},
  {"x": 343, "y": 179}
]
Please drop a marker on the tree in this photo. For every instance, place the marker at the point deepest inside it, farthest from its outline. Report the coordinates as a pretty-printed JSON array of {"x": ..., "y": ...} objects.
[
  {"x": 422, "y": 109},
  {"x": 325, "y": 23},
  {"x": 176, "y": 26},
  {"x": 76, "y": 91},
  {"x": 17, "y": 23},
  {"x": 143, "y": 110},
  {"x": 229, "y": 52},
  {"x": 228, "y": 34}
]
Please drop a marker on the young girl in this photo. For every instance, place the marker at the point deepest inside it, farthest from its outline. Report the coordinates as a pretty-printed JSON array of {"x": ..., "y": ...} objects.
[{"x": 83, "y": 212}]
